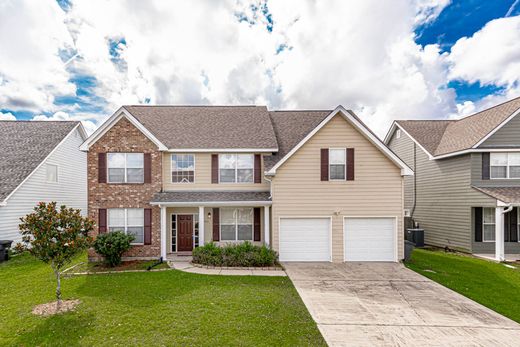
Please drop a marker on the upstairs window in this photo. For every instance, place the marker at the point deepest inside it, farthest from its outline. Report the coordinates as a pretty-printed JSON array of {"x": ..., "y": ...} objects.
[
  {"x": 183, "y": 168},
  {"x": 337, "y": 164},
  {"x": 52, "y": 173},
  {"x": 125, "y": 167},
  {"x": 504, "y": 165},
  {"x": 236, "y": 168}
]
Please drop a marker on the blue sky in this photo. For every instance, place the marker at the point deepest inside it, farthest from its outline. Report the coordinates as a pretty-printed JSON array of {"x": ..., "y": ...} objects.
[{"x": 87, "y": 61}]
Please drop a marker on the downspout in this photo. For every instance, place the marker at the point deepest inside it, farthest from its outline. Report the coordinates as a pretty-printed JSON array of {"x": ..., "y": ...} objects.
[
  {"x": 270, "y": 186},
  {"x": 414, "y": 179}
]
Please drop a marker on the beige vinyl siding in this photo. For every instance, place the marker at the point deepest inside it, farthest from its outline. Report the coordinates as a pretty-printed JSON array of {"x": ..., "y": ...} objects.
[
  {"x": 404, "y": 148},
  {"x": 208, "y": 223},
  {"x": 507, "y": 136},
  {"x": 445, "y": 198},
  {"x": 376, "y": 191},
  {"x": 203, "y": 177}
]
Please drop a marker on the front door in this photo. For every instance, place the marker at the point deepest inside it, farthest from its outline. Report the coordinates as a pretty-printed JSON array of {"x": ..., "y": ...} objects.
[{"x": 185, "y": 233}]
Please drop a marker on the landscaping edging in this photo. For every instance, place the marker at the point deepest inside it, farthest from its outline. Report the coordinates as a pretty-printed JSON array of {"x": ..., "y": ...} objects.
[
  {"x": 263, "y": 268},
  {"x": 111, "y": 272}
]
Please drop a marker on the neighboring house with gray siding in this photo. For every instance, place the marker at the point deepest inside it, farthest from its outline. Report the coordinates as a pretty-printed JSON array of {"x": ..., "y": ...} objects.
[
  {"x": 466, "y": 189},
  {"x": 39, "y": 161}
]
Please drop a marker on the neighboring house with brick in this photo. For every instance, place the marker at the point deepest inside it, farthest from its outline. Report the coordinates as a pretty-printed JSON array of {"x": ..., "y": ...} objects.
[
  {"x": 466, "y": 189},
  {"x": 313, "y": 185},
  {"x": 39, "y": 161}
]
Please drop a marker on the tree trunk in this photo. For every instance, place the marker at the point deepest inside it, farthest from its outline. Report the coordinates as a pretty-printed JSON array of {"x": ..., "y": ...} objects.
[{"x": 58, "y": 289}]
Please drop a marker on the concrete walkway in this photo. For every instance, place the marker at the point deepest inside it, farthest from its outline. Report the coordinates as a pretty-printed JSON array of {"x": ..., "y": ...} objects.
[
  {"x": 385, "y": 304},
  {"x": 188, "y": 267}
]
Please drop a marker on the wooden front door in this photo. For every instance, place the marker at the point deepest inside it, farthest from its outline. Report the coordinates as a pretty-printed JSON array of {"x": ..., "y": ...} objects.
[{"x": 185, "y": 233}]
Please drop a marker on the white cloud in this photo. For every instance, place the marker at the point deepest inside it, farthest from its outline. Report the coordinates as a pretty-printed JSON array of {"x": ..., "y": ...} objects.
[
  {"x": 32, "y": 33},
  {"x": 7, "y": 116},
  {"x": 89, "y": 125}
]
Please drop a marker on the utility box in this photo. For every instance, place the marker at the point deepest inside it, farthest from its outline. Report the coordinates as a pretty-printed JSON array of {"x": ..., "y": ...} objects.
[
  {"x": 416, "y": 236},
  {"x": 4, "y": 249}
]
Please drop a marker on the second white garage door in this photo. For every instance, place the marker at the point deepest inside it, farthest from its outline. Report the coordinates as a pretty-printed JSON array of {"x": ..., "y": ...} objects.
[
  {"x": 305, "y": 239},
  {"x": 370, "y": 239}
]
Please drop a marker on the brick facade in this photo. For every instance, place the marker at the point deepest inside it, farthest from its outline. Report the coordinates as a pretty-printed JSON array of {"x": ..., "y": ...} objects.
[{"x": 124, "y": 137}]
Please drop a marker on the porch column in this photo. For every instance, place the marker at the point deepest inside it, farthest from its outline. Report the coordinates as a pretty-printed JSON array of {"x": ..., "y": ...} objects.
[
  {"x": 267, "y": 224},
  {"x": 499, "y": 234},
  {"x": 164, "y": 223},
  {"x": 201, "y": 225}
]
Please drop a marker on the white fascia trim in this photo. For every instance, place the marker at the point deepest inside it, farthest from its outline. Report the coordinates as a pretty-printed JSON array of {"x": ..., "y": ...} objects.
[
  {"x": 212, "y": 203},
  {"x": 223, "y": 150},
  {"x": 497, "y": 128},
  {"x": 405, "y": 170},
  {"x": 79, "y": 127},
  {"x": 120, "y": 113}
]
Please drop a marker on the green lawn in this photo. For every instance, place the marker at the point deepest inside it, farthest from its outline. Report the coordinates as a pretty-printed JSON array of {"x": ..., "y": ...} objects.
[
  {"x": 152, "y": 308},
  {"x": 488, "y": 283}
]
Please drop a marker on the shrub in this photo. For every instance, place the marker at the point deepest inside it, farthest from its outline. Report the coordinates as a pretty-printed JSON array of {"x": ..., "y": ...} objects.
[
  {"x": 241, "y": 254},
  {"x": 112, "y": 246}
]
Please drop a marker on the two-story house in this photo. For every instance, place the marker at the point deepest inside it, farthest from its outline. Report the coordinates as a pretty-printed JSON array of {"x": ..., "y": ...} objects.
[
  {"x": 39, "y": 161},
  {"x": 313, "y": 185},
  {"x": 466, "y": 189}
]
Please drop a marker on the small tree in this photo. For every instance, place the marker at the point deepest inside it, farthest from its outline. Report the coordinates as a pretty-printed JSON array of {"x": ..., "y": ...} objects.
[{"x": 55, "y": 236}]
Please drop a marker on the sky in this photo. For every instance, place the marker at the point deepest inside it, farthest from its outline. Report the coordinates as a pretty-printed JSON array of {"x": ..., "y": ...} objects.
[{"x": 385, "y": 60}]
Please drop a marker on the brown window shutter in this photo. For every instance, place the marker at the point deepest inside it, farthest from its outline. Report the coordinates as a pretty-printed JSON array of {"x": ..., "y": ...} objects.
[
  {"x": 216, "y": 224},
  {"x": 102, "y": 168},
  {"x": 147, "y": 226},
  {"x": 258, "y": 168},
  {"x": 147, "y": 168},
  {"x": 324, "y": 164},
  {"x": 102, "y": 220},
  {"x": 214, "y": 168},
  {"x": 478, "y": 224},
  {"x": 256, "y": 223},
  {"x": 513, "y": 230},
  {"x": 350, "y": 164},
  {"x": 485, "y": 166}
]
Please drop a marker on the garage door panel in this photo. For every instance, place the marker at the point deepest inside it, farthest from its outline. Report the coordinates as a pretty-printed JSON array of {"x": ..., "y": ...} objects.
[
  {"x": 304, "y": 239},
  {"x": 369, "y": 239}
]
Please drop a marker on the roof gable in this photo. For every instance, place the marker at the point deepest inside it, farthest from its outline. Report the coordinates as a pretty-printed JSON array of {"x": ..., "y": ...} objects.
[
  {"x": 444, "y": 138},
  {"x": 25, "y": 146},
  {"x": 357, "y": 124}
]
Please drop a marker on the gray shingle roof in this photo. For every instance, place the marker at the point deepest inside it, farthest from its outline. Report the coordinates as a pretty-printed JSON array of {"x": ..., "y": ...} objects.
[
  {"x": 208, "y": 127},
  {"x": 444, "y": 137},
  {"x": 290, "y": 128},
  {"x": 213, "y": 196},
  {"x": 23, "y": 146},
  {"x": 508, "y": 195}
]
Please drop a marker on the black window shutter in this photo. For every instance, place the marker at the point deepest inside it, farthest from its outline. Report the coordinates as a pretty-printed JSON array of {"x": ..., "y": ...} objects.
[
  {"x": 258, "y": 169},
  {"x": 214, "y": 168},
  {"x": 513, "y": 229},
  {"x": 102, "y": 220},
  {"x": 507, "y": 225},
  {"x": 147, "y": 167},
  {"x": 147, "y": 226},
  {"x": 256, "y": 223},
  {"x": 478, "y": 224},
  {"x": 485, "y": 166},
  {"x": 350, "y": 164}
]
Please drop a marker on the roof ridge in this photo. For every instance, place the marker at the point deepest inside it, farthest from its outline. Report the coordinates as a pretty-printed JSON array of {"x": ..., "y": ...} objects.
[
  {"x": 184, "y": 105},
  {"x": 304, "y": 110},
  {"x": 38, "y": 121},
  {"x": 490, "y": 108}
]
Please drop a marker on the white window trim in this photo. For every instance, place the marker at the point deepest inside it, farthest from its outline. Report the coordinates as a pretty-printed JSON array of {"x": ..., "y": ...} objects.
[
  {"x": 126, "y": 168},
  {"x": 195, "y": 228},
  {"x": 508, "y": 165},
  {"x": 236, "y": 168},
  {"x": 345, "y": 170},
  {"x": 126, "y": 223},
  {"x": 484, "y": 224},
  {"x": 171, "y": 168},
  {"x": 235, "y": 212},
  {"x": 47, "y": 175}
]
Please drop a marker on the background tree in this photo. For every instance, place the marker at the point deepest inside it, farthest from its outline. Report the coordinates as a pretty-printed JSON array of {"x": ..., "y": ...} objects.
[{"x": 55, "y": 236}]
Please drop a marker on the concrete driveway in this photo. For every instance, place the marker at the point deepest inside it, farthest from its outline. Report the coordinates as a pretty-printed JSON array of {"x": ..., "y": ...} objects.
[{"x": 385, "y": 304}]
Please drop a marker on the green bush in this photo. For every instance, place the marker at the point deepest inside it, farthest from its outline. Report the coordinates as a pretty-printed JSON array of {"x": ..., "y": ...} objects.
[
  {"x": 241, "y": 254},
  {"x": 112, "y": 246}
]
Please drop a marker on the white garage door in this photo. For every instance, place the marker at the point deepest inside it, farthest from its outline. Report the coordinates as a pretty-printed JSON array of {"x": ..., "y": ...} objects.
[
  {"x": 305, "y": 239},
  {"x": 370, "y": 239}
]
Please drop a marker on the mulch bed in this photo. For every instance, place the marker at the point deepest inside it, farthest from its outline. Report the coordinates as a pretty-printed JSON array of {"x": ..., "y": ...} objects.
[{"x": 50, "y": 308}]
